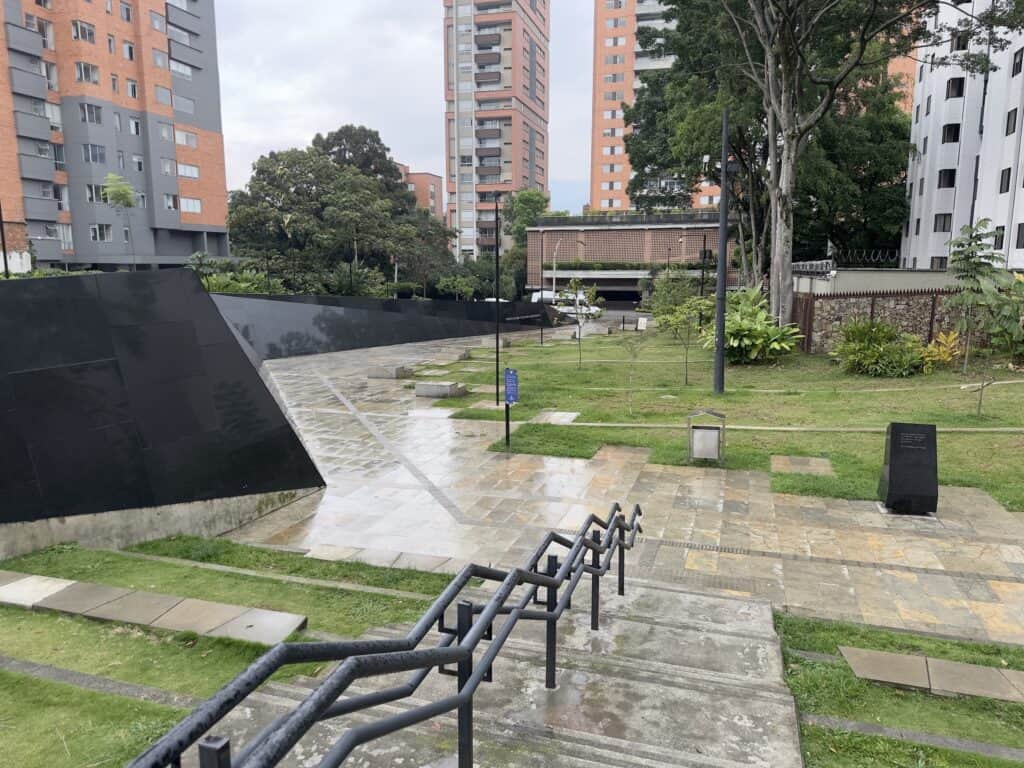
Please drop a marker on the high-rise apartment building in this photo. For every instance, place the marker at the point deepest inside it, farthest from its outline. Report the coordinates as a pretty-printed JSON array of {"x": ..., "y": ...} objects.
[
  {"x": 619, "y": 62},
  {"x": 496, "y": 81},
  {"x": 130, "y": 87},
  {"x": 968, "y": 131}
]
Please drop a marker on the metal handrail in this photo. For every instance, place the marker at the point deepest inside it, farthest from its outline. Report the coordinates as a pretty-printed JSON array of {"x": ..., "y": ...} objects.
[{"x": 363, "y": 659}]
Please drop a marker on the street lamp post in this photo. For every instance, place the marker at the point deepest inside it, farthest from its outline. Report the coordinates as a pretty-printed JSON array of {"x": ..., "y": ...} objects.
[
  {"x": 723, "y": 264},
  {"x": 497, "y": 299},
  {"x": 3, "y": 243}
]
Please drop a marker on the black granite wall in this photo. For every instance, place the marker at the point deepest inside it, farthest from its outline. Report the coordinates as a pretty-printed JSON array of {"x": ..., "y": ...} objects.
[
  {"x": 129, "y": 390},
  {"x": 292, "y": 326}
]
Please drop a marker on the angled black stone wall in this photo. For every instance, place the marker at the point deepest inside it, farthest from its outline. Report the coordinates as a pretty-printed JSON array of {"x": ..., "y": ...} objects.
[
  {"x": 292, "y": 326},
  {"x": 129, "y": 390}
]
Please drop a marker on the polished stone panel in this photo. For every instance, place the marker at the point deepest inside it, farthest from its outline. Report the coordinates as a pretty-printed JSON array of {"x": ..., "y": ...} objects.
[
  {"x": 280, "y": 327},
  {"x": 129, "y": 390}
]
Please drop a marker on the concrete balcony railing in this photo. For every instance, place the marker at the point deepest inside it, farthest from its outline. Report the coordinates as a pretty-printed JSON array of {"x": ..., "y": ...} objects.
[
  {"x": 487, "y": 41},
  {"x": 40, "y": 209},
  {"x": 28, "y": 83},
  {"x": 24, "y": 40},
  {"x": 32, "y": 126},
  {"x": 35, "y": 167}
]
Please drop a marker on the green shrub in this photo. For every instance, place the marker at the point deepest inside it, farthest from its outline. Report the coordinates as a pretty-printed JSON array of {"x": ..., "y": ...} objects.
[
  {"x": 751, "y": 334},
  {"x": 879, "y": 349}
]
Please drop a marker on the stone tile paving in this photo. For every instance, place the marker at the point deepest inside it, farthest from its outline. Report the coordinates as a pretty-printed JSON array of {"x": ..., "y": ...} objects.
[
  {"x": 802, "y": 465},
  {"x": 168, "y": 612},
  {"x": 402, "y": 480}
]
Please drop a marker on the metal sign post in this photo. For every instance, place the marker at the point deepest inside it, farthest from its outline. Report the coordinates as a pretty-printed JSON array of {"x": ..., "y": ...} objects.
[{"x": 511, "y": 398}]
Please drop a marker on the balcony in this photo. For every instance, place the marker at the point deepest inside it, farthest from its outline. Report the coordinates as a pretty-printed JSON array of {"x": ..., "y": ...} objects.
[
  {"x": 40, "y": 209},
  {"x": 487, "y": 41},
  {"x": 488, "y": 133},
  {"x": 488, "y": 59},
  {"x": 486, "y": 242},
  {"x": 37, "y": 168},
  {"x": 32, "y": 126},
  {"x": 24, "y": 40},
  {"x": 488, "y": 78},
  {"x": 28, "y": 83},
  {"x": 488, "y": 151}
]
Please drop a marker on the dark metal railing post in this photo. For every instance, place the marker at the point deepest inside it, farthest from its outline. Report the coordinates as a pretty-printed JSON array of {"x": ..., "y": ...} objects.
[
  {"x": 465, "y": 622},
  {"x": 552, "y": 626},
  {"x": 214, "y": 752},
  {"x": 622, "y": 561},
  {"x": 595, "y": 583}
]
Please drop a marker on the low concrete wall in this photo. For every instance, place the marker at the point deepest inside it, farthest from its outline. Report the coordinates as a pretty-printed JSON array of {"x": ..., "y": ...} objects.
[
  {"x": 879, "y": 281},
  {"x": 125, "y": 528}
]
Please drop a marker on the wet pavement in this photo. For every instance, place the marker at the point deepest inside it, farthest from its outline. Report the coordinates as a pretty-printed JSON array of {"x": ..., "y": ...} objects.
[{"x": 409, "y": 486}]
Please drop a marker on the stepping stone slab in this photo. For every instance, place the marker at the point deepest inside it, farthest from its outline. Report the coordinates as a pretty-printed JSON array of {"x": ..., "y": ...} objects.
[
  {"x": 259, "y": 626},
  {"x": 951, "y": 678},
  {"x": 556, "y": 417},
  {"x": 389, "y": 372},
  {"x": 136, "y": 608},
  {"x": 199, "y": 616},
  {"x": 439, "y": 389},
  {"x": 27, "y": 592},
  {"x": 383, "y": 558},
  {"x": 1016, "y": 679},
  {"x": 6, "y": 577},
  {"x": 82, "y": 598},
  {"x": 891, "y": 668}
]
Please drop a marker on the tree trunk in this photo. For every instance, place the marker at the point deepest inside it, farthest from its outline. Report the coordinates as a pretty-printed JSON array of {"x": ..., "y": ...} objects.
[
  {"x": 744, "y": 263},
  {"x": 782, "y": 237}
]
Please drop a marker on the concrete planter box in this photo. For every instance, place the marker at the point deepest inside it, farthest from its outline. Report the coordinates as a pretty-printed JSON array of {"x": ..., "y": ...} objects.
[{"x": 389, "y": 372}]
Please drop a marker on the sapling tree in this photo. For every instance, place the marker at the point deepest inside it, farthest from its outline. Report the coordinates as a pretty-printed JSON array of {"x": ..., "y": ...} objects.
[{"x": 682, "y": 323}]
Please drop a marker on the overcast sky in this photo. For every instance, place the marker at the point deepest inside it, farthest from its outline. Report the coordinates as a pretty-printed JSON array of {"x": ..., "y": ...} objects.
[{"x": 380, "y": 63}]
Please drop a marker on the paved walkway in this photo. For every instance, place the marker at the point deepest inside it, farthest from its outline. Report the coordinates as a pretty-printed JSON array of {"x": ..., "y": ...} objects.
[
  {"x": 407, "y": 482},
  {"x": 127, "y": 606}
]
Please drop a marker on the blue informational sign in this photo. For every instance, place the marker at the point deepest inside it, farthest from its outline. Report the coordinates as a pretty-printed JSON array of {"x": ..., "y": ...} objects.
[{"x": 511, "y": 386}]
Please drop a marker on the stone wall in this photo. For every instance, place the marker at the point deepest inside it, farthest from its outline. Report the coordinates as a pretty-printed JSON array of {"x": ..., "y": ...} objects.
[{"x": 821, "y": 318}]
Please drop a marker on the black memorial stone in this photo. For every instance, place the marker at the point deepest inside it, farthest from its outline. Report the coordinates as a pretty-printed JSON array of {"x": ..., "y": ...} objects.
[
  {"x": 130, "y": 390},
  {"x": 910, "y": 477}
]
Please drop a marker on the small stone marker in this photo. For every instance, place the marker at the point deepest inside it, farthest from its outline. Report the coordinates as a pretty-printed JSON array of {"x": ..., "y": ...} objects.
[
  {"x": 910, "y": 478},
  {"x": 439, "y": 389},
  {"x": 892, "y": 668},
  {"x": 389, "y": 372}
]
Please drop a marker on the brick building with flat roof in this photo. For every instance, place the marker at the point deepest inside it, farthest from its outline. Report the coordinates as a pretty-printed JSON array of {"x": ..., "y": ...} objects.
[
  {"x": 615, "y": 253},
  {"x": 129, "y": 87},
  {"x": 428, "y": 189}
]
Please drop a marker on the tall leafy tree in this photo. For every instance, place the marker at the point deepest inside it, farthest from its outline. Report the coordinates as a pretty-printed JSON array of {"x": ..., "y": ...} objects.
[
  {"x": 522, "y": 211},
  {"x": 798, "y": 55},
  {"x": 362, "y": 148}
]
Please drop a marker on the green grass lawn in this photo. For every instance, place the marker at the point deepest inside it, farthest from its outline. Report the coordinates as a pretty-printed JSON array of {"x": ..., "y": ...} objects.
[
  {"x": 224, "y": 552},
  {"x": 825, "y": 748},
  {"x": 341, "y": 612},
  {"x": 831, "y": 689},
  {"x": 802, "y": 390},
  {"x": 51, "y": 725}
]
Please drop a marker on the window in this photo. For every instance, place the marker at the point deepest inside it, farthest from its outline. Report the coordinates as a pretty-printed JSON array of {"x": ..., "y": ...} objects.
[
  {"x": 129, "y": 50},
  {"x": 91, "y": 113},
  {"x": 157, "y": 22},
  {"x": 917, "y": 114},
  {"x": 117, "y": 121},
  {"x": 611, "y": 168},
  {"x": 120, "y": 159},
  {"x": 94, "y": 194},
  {"x": 59, "y": 162},
  {"x": 924, "y": 146},
  {"x": 83, "y": 31},
  {"x": 617, "y": 58},
  {"x": 94, "y": 153},
  {"x": 168, "y": 167},
  {"x": 179, "y": 35},
  {"x": 951, "y": 133},
  {"x": 133, "y": 89},
  {"x": 52, "y": 111},
  {"x": 614, "y": 96},
  {"x": 616, "y": 23},
  {"x": 170, "y": 202},
  {"x": 163, "y": 95},
  {"x": 928, "y": 106},
  {"x": 999, "y": 241},
  {"x": 87, "y": 73},
  {"x": 126, "y": 12},
  {"x": 920, "y": 187},
  {"x": 960, "y": 42},
  {"x": 134, "y": 126},
  {"x": 187, "y": 171},
  {"x": 614, "y": 42},
  {"x": 138, "y": 164},
  {"x": 947, "y": 178},
  {"x": 183, "y": 71},
  {"x": 159, "y": 58},
  {"x": 101, "y": 233},
  {"x": 143, "y": 200},
  {"x": 49, "y": 70},
  {"x": 1020, "y": 236},
  {"x": 111, "y": 44},
  {"x": 67, "y": 242},
  {"x": 114, "y": 83},
  {"x": 955, "y": 88},
  {"x": 1018, "y": 62},
  {"x": 191, "y": 205},
  {"x": 611, "y": 150},
  {"x": 183, "y": 104},
  {"x": 943, "y": 222},
  {"x": 613, "y": 114},
  {"x": 1011, "y": 122},
  {"x": 1004, "y": 181},
  {"x": 166, "y": 131},
  {"x": 126, "y": 234},
  {"x": 917, "y": 227}
]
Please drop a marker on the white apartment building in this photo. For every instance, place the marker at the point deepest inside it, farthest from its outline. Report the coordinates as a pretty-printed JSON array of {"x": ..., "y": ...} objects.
[{"x": 967, "y": 131}]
